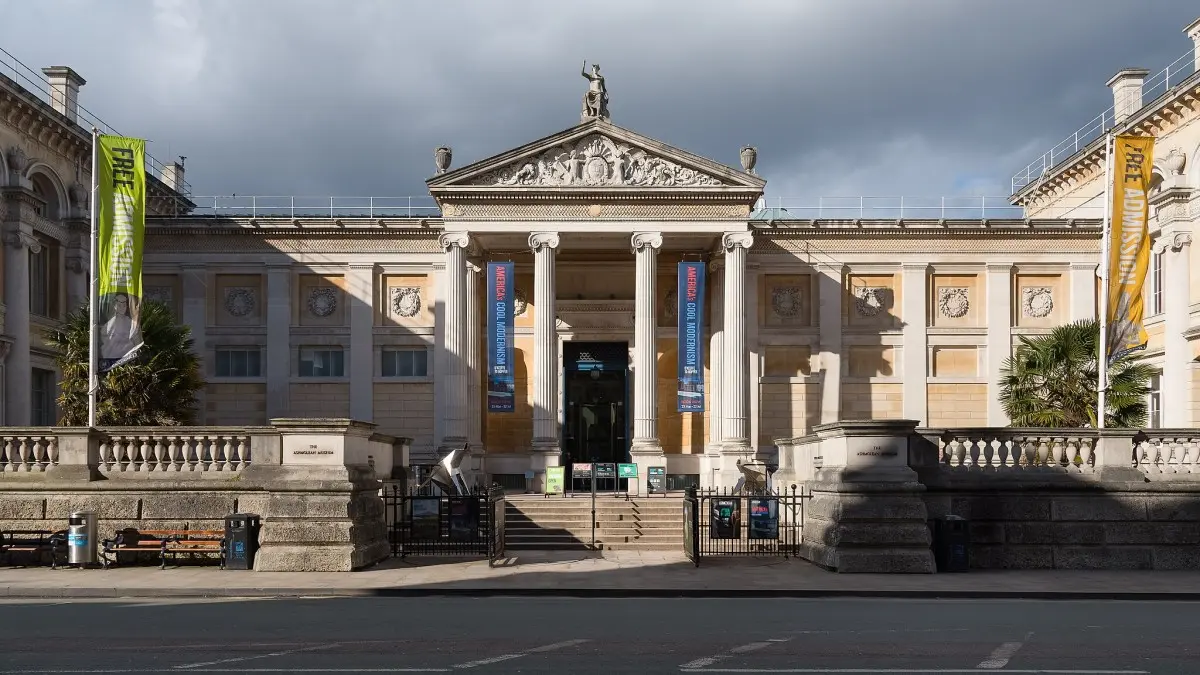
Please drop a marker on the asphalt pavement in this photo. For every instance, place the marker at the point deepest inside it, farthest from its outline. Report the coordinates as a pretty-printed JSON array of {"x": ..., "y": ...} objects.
[{"x": 596, "y": 635}]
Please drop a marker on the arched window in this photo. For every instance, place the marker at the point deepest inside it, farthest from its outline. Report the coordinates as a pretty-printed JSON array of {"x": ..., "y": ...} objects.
[{"x": 44, "y": 189}]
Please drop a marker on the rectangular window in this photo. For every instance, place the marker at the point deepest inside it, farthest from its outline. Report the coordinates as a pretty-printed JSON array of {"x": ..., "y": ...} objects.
[
  {"x": 239, "y": 362},
  {"x": 39, "y": 281},
  {"x": 1156, "y": 283},
  {"x": 406, "y": 362},
  {"x": 322, "y": 362},
  {"x": 43, "y": 398},
  {"x": 1154, "y": 402}
]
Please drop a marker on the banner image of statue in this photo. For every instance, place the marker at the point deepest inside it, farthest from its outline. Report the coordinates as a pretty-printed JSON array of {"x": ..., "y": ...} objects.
[{"x": 121, "y": 225}]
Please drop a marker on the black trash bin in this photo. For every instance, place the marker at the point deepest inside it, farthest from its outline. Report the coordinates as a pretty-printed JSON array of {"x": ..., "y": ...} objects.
[
  {"x": 241, "y": 540},
  {"x": 951, "y": 544}
]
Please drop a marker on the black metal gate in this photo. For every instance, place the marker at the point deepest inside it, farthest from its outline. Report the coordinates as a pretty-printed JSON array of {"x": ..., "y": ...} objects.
[
  {"x": 425, "y": 523},
  {"x": 720, "y": 523}
]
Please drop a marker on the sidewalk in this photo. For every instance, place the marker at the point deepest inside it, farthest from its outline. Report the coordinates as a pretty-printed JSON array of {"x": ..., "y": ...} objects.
[{"x": 615, "y": 574}]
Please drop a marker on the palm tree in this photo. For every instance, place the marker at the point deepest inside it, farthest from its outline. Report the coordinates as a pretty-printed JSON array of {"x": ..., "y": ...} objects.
[
  {"x": 1051, "y": 381},
  {"x": 157, "y": 388}
]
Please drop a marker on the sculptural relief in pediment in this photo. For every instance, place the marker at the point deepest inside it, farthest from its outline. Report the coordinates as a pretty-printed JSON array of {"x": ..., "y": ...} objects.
[{"x": 596, "y": 161}]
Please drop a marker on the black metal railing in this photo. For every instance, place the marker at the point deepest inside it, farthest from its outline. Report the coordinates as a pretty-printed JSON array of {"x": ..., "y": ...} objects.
[
  {"x": 724, "y": 524},
  {"x": 426, "y": 523}
]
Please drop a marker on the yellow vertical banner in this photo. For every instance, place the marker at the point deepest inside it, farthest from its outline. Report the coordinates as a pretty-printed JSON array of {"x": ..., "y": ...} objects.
[{"x": 1129, "y": 244}]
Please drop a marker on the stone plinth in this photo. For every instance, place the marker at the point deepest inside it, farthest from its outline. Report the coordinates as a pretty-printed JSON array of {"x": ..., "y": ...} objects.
[{"x": 867, "y": 514}]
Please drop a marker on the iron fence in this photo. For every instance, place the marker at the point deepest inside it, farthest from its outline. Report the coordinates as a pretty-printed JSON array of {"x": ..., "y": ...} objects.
[
  {"x": 424, "y": 523},
  {"x": 727, "y": 524}
]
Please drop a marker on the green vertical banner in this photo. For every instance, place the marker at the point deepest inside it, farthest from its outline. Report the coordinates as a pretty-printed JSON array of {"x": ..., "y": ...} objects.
[{"x": 121, "y": 229}]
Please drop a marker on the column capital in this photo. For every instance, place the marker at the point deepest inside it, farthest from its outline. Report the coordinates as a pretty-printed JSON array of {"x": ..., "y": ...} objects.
[
  {"x": 449, "y": 240},
  {"x": 915, "y": 267},
  {"x": 362, "y": 266},
  {"x": 995, "y": 268},
  {"x": 473, "y": 267},
  {"x": 1085, "y": 266},
  {"x": 21, "y": 238},
  {"x": 644, "y": 240},
  {"x": 732, "y": 240},
  {"x": 540, "y": 240}
]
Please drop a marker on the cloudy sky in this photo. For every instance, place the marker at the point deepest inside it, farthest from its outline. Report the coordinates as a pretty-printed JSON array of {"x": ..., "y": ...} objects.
[{"x": 841, "y": 97}]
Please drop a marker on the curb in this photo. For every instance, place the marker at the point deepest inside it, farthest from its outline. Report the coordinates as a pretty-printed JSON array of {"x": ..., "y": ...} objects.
[{"x": 619, "y": 593}]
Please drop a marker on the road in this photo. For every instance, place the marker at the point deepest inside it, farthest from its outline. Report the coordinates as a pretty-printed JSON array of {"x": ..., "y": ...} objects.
[{"x": 568, "y": 636}]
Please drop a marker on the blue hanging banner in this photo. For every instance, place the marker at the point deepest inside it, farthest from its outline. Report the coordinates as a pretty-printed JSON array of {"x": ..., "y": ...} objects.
[
  {"x": 691, "y": 337},
  {"x": 500, "y": 379}
]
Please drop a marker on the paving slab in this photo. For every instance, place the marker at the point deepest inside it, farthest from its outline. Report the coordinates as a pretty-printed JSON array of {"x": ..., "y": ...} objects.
[{"x": 608, "y": 574}]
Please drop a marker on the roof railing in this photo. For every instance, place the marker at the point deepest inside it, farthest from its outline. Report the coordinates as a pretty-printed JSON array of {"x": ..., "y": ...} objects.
[
  {"x": 37, "y": 84},
  {"x": 1152, "y": 88},
  {"x": 768, "y": 208}
]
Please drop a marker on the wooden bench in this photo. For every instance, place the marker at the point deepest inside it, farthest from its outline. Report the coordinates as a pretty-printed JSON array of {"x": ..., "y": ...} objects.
[
  {"x": 165, "y": 543},
  {"x": 32, "y": 541}
]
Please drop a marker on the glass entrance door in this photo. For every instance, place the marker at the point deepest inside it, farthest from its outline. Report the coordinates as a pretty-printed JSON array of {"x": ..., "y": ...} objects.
[{"x": 596, "y": 429}]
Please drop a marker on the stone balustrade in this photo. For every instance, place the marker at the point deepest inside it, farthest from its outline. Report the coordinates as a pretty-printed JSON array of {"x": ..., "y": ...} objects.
[
  {"x": 27, "y": 450},
  {"x": 181, "y": 450}
]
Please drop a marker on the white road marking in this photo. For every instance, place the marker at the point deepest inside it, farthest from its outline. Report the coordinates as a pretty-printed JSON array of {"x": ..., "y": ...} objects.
[
  {"x": 235, "y": 670},
  {"x": 736, "y": 651},
  {"x": 999, "y": 658},
  {"x": 314, "y": 648},
  {"x": 922, "y": 671},
  {"x": 517, "y": 655}
]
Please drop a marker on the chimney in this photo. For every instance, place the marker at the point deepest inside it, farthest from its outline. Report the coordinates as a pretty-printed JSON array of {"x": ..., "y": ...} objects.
[
  {"x": 64, "y": 90},
  {"x": 172, "y": 175},
  {"x": 1126, "y": 87},
  {"x": 1193, "y": 31}
]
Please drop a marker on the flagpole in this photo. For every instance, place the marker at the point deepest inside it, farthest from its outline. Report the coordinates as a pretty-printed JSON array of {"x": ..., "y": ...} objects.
[
  {"x": 1102, "y": 359},
  {"x": 93, "y": 288}
]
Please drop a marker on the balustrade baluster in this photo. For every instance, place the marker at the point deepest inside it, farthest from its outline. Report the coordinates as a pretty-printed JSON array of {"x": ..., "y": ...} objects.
[{"x": 7, "y": 460}]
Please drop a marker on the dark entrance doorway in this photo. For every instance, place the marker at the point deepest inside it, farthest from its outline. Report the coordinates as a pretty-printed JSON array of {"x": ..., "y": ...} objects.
[{"x": 595, "y": 390}]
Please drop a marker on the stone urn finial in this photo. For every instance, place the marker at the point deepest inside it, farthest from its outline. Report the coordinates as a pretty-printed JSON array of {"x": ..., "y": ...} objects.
[
  {"x": 78, "y": 195},
  {"x": 749, "y": 157},
  {"x": 17, "y": 159},
  {"x": 441, "y": 158},
  {"x": 1174, "y": 162}
]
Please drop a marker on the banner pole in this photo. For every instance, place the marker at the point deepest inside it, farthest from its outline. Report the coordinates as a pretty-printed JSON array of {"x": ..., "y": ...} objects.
[
  {"x": 1106, "y": 254},
  {"x": 93, "y": 286}
]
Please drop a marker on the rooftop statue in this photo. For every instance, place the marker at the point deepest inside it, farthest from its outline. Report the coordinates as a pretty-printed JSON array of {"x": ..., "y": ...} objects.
[{"x": 595, "y": 101}]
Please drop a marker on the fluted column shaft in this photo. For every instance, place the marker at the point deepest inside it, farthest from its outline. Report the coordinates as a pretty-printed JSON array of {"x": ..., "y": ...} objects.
[
  {"x": 545, "y": 337},
  {"x": 716, "y": 355},
  {"x": 474, "y": 386},
  {"x": 645, "y": 377},
  {"x": 735, "y": 394},
  {"x": 454, "y": 428}
]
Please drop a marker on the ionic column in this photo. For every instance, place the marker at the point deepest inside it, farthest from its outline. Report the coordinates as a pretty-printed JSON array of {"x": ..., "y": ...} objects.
[
  {"x": 716, "y": 356},
  {"x": 645, "y": 377},
  {"x": 18, "y": 390},
  {"x": 545, "y": 349},
  {"x": 474, "y": 387},
  {"x": 735, "y": 394},
  {"x": 455, "y": 413},
  {"x": 1176, "y": 377}
]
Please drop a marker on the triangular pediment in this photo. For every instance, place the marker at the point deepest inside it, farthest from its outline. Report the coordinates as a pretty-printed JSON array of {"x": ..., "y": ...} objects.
[{"x": 596, "y": 156}]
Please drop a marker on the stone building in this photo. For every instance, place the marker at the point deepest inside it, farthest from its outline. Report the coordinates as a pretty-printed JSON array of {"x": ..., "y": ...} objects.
[{"x": 374, "y": 312}]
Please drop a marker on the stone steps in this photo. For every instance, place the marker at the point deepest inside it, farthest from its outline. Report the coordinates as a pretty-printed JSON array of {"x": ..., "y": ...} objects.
[{"x": 566, "y": 524}]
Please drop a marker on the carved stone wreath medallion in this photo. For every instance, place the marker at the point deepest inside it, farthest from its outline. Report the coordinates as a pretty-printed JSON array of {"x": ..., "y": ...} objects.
[
  {"x": 1037, "y": 301},
  {"x": 953, "y": 302},
  {"x": 405, "y": 300},
  {"x": 868, "y": 301},
  {"x": 240, "y": 302},
  {"x": 322, "y": 301},
  {"x": 163, "y": 295},
  {"x": 785, "y": 301},
  {"x": 520, "y": 302},
  {"x": 671, "y": 304}
]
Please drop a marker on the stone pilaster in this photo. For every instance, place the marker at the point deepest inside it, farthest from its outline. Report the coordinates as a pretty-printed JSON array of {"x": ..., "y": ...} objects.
[
  {"x": 278, "y": 354},
  {"x": 1176, "y": 377},
  {"x": 915, "y": 367},
  {"x": 735, "y": 395},
  {"x": 193, "y": 309},
  {"x": 545, "y": 350},
  {"x": 830, "y": 291},
  {"x": 999, "y": 335},
  {"x": 18, "y": 243},
  {"x": 716, "y": 358},
  {"x": 1083, "y": 291},
  {"x": 455, "y": 413},
  {"x": 474, "y": 358},
  {"x": 361, "y": 296}
]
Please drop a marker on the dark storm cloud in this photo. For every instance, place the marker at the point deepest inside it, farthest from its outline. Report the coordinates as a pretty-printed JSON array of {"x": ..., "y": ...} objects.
[{"x": 875, "y": 97}]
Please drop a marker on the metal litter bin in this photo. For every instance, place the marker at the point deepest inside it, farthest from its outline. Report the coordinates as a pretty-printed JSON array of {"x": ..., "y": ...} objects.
[
  {"x": 241, "y": 540},
  {"x": 81, "y": 538},
  {"x": 951, "y": 544}
]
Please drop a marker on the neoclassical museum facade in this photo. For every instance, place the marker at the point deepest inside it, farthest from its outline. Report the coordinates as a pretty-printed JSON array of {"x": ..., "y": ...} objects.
[{"x": 381, "y": 319}]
